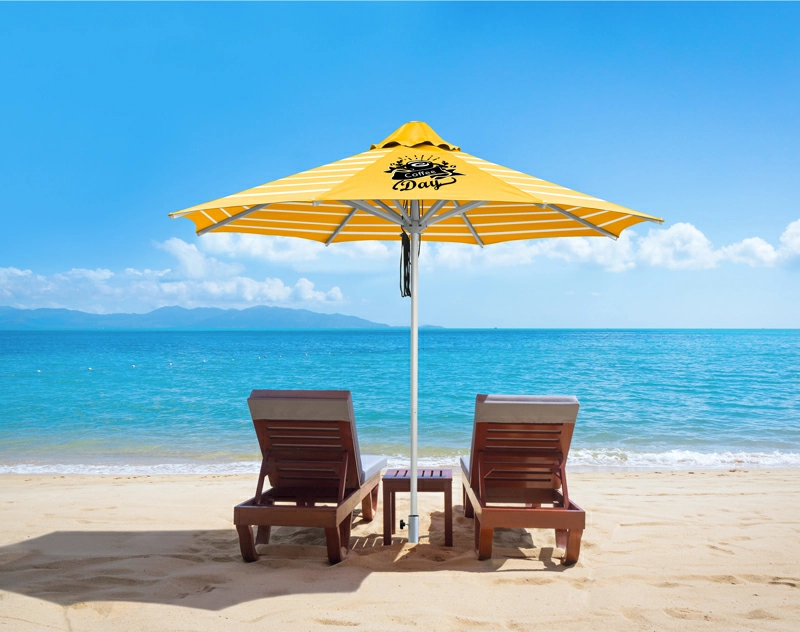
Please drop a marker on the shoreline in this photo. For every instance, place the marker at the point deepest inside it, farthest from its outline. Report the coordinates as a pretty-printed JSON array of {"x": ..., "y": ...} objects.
[{"x": 581, "y": 460}]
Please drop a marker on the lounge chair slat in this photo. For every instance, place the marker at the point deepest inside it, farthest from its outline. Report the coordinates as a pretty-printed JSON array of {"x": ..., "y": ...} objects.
[
  {"x": 531, "y": 483},
  {"x": 280, "y": 433},
  {"x": 546, "y": 439},
  {"x": 295, "y": 425},
  {"x": 523, "y": 428},
  {"x": 311, "y": 443},
  {"x": 555, "y": 431}
]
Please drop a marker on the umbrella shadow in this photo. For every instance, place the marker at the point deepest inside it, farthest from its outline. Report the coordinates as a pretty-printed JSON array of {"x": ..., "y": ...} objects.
[{"x": 203, "y": 568}]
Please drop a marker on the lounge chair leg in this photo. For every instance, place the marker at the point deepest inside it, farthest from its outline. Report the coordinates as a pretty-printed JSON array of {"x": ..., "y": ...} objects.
[
  {"x": 468, "y": 511},
  {"x": 483, "y": 539},
  {"x": 368, "y": 506},
  {"x": 344, "y": 531},
  {"x": 573, "y": 547},
  {"x": 262, "y": 534},
  {"x": 375, "y": 498},
  {"x": 246, "y": 544},
  {"x": 334, "y": 545},
  {"x": 561, "y": 538}
]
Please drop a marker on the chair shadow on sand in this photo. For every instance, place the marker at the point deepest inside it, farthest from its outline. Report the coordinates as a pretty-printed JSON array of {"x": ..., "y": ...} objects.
[{"x": 204, "y": 569}]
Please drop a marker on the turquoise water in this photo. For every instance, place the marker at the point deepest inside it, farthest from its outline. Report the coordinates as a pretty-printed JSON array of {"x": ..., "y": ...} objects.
[{"x": 176, "y": 401}]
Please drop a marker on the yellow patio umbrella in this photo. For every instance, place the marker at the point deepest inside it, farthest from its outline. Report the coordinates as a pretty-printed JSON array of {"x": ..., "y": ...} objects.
[{"x": 413, "y": 185}]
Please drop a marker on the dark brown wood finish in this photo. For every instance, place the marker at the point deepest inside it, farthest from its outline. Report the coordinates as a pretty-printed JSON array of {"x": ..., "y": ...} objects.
[
  {"x": 314, "y": 482},
  {"x": 428, "y": 480},
  {"x": 522, "y": 464}
]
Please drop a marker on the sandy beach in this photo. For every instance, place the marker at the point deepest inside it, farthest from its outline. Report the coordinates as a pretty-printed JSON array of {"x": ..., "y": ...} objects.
[{"x": 712, "y": 550}]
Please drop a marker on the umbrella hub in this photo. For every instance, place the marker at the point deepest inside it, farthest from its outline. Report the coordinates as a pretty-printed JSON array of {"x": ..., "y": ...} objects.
[{"x": 415, "y": 134}]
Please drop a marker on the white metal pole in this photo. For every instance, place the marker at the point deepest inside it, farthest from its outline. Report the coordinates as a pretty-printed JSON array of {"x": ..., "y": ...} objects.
[{"x": 413, "y": 518}]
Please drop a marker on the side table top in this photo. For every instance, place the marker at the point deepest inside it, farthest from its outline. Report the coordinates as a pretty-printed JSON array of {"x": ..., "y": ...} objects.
[{"x": 421, "y": 474}]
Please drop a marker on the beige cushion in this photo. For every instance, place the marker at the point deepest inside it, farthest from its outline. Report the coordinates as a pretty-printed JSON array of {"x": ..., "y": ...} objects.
[
  {"x": 302, "y": 405},
  {"x": 542, "y": 409}
]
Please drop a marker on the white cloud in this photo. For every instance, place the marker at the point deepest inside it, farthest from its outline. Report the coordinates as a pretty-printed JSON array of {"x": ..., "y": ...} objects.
[
  {"x": 679, "y": 247},
  {"x": 682, "y": 246},
  {"x": 612, "y": 256},
  {"x": 82, "y": 273},
  {"x": 199, "y": 276},
  {"x": 300, "y": 254},
  {"x": 196, "y": 280},
  {"x": 790, "y": 241},
  {"x": 753, "y": 251},
  {"x": 272, "y": 249},
  {"x": 194, "y": 264}
]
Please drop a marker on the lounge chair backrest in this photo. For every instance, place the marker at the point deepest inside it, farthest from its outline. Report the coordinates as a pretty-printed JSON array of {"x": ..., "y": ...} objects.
[
  {"x": 297, "y": 429},
  {"x": 521, "y": 438}
]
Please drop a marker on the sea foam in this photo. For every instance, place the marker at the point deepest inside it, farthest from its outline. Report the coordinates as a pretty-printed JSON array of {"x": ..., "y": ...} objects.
[{"x": 579, "y": 460}]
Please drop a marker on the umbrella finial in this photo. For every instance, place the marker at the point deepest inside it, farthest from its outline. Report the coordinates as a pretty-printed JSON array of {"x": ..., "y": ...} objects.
[{"x": 415, "y": 134}]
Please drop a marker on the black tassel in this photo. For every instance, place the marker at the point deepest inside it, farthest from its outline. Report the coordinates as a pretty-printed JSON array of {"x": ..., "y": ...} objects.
[{"x": 405, "y": 265}]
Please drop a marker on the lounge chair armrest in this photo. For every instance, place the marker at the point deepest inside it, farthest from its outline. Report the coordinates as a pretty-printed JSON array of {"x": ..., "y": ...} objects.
[{"x": 370, "y": 465}]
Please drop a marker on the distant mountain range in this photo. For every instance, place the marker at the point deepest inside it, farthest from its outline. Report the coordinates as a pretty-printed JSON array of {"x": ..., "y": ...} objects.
[{"x": 260, "y": 317}]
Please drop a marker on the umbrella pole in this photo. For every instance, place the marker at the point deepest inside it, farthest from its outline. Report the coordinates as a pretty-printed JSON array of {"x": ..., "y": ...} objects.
[{"x": 413, "y": 518}]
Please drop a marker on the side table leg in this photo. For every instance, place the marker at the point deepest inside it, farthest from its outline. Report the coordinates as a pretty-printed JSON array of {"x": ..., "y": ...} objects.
[
  {"x": 448, "y": 514},
  {"x": 387, "y": 516},
  {"x": 394, "y": 513}
]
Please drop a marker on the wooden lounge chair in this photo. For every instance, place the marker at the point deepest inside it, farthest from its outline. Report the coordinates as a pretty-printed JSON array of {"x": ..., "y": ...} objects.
[
  {"x": 316, "y": 473},
  {"x": 516, "y": 467}
]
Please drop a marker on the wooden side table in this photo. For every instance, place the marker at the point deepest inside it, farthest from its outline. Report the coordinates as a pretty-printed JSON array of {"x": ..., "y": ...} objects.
[{"x": 399, "y": 480}]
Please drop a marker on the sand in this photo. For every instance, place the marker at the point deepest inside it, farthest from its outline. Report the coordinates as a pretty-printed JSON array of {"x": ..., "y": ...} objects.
[{"x": 662, "y": 551}]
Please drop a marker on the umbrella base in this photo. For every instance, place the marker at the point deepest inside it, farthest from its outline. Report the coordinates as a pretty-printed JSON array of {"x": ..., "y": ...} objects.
[{"x": 413, "y": 529}]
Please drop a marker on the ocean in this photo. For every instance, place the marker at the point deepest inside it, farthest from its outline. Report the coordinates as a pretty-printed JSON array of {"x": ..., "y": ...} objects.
[{"x": 148, "y": 402}]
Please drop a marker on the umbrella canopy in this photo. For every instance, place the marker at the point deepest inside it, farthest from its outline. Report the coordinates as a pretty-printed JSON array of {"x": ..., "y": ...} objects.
[
  {"x": 416, "y": 182},
  {"x": 461, "y": 198}
]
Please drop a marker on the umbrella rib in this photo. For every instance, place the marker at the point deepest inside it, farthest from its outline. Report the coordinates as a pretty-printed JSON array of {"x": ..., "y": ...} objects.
[
  {"x": 458, "y": 210},
  {"x": 434, "y": 208},
  {"x": 341, "y": 226},
  {"x": 232, "y": 218},
  {"x": 386, "y": 207},
  {"x": 363, "y": 206},
  {"x": 402, "y": 210},
  {"x": 472, "y": 229},
  {"x": 580, "y": 220}
]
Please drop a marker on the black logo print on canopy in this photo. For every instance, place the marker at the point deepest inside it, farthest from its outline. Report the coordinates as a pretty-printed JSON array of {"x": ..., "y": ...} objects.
[{"x": 422, "y": 173}]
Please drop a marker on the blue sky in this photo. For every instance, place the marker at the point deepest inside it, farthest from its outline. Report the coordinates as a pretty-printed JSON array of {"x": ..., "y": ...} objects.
[{"x": 114, "y": 115}]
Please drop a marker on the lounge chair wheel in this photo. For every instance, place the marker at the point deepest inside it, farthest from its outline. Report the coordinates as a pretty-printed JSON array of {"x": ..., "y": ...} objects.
[{"x": 246, "y": 543}]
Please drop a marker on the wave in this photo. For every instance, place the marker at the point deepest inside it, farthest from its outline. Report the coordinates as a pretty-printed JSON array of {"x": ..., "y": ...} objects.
[
  {"x": 615, "y": 459},
  {"x": 123, "y": 469},
  {"x": 579, "y": 460},
  {"x": 682, "y": 459}
]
